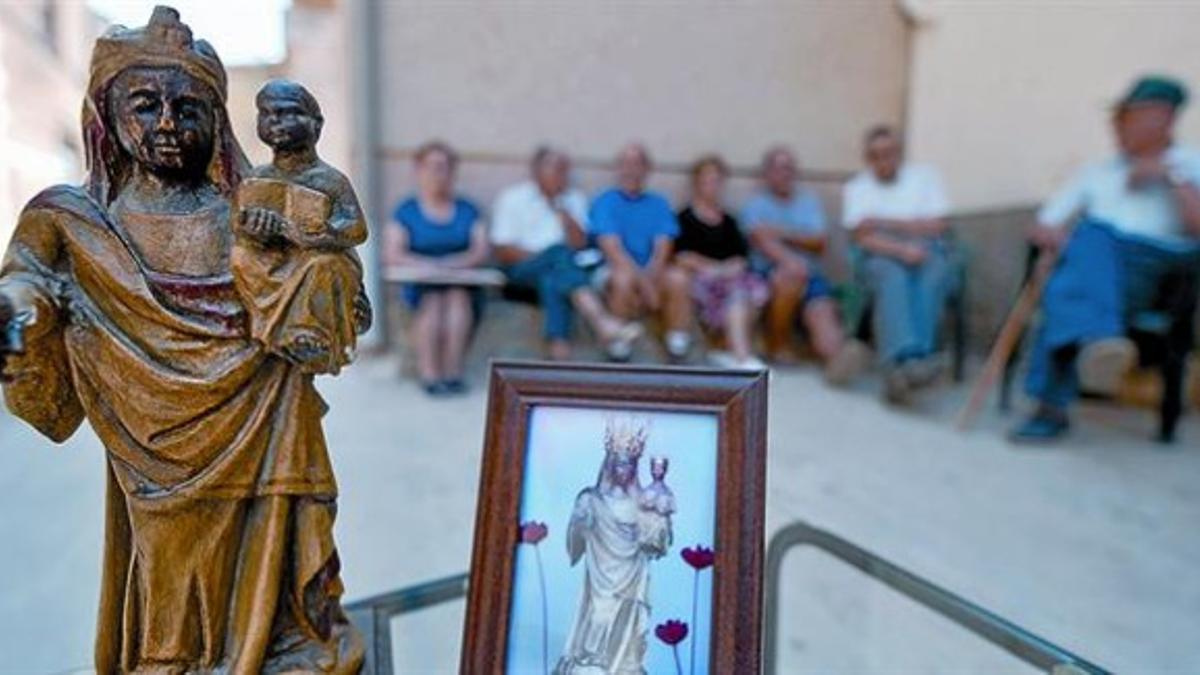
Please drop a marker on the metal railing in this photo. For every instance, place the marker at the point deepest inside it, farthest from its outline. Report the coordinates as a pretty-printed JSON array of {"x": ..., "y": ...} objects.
[
  {"x": 1030, "y": 648},
  {"x": 373, "y": 615}
]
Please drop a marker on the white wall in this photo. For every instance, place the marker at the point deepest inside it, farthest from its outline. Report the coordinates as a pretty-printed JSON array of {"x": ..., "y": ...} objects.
[
  {"x": 1008, "y": 97},
  {"x": 686, "y": 77}
]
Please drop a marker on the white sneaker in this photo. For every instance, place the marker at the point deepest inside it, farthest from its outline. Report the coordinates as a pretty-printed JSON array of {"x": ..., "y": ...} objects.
[
  {"x": 678, "y": 343},
  {"x": 727, "y": 360},
  {"x": 619, "y": 350},
  {"x": 752, "y": 363},
  {"x": 620, "y": 347},
  {"x": 722, "y": 359}
]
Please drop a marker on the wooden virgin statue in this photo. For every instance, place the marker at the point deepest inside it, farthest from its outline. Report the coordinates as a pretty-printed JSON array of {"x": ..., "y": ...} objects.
[{"x": 118, "y": 306}]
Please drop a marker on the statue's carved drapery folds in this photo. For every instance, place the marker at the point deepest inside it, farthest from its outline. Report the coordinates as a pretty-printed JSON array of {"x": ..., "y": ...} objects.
[{"x": 219, "y": 554}]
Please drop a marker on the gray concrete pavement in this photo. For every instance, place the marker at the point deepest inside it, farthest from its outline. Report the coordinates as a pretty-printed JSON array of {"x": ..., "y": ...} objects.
[{"x": 1093, "y": 544}]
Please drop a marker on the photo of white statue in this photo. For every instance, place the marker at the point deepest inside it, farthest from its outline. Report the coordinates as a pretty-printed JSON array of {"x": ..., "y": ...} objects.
[{"x": 607, "y": 579}]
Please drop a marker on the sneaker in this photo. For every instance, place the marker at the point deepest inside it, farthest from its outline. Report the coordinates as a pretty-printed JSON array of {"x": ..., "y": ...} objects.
[
  {"x": 435, "y": 389},
  {"x": 1040, "y": 428},
  {"x": 896, "y": 389},
  {"x": 620, "y": 347},
  {"x": 923, "y": 372},
  {"x": 751, "y": 363},
  {"x": 722, "y": 359},
  {"x": 1103, "y": 365},
  {"x": 730, "y": 362},
  {"x": 455, "y": 386},
  {"x": 678, "y": 344},
  {"x": 851, "y": 360},
  {"x": 619, "y": 351}
]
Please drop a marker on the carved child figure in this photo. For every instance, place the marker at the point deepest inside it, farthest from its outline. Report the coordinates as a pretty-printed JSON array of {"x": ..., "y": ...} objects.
[
  {"x": 297, "y": 221},
  {"x": 656, "y": 496}
]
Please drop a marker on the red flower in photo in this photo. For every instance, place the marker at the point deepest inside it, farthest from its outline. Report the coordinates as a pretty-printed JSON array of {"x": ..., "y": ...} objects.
[
  {"x": 699, "y": 557},
  {"x": 672, "y": 632},
  {"x": 533, "y": 532}
]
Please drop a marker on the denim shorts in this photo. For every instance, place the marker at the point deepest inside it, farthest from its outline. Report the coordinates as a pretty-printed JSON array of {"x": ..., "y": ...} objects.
[{"x": 818, "y": 285}]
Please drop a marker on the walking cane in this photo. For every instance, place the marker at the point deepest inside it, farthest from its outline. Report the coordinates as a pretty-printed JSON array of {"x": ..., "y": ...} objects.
[{"x": 1006, "y": 341}]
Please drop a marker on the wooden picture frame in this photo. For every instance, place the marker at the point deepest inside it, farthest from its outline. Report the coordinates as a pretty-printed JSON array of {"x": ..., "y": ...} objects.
[{"x": 738, "y": 400}]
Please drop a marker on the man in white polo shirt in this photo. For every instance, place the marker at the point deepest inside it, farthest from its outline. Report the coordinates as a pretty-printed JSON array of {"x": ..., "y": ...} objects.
[
  {"x": 1122, "y": 225},
  {"x": 537, "y": 228},
  {"x": 896, "y": 214}
]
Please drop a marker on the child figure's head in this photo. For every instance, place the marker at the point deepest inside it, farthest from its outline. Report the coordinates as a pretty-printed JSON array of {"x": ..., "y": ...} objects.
[
  {"x": 289, "y": 118},
  {"x": 658, "y": 467}
]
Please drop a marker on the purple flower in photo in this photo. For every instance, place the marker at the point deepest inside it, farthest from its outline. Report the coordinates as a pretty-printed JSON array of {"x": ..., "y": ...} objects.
[
  {"x": 533, "y": 532},
  {"x": 672, "y": 632},
  {"x": 699, "y": 557}
]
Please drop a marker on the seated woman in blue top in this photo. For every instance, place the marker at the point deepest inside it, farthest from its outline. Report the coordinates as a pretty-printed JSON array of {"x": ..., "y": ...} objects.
[{"x": 437, "y": 229}]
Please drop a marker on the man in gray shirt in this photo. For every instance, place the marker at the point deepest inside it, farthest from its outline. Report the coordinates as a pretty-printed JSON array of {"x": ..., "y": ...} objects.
[{"x": 787, "y": 229}]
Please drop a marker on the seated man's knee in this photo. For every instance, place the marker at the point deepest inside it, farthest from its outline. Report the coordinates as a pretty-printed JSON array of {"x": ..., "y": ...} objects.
[
  {"x": 677, "y": 280},
  {"x": 622, "y": 282},
  {"x": 788, "y": 280}
]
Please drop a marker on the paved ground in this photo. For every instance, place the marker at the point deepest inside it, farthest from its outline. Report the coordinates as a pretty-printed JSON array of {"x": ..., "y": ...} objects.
[{"x": 1094, "y": 545}]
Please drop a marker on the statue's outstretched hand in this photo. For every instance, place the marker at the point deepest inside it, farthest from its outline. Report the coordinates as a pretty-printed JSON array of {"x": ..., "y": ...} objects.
[
  {"x": 12, "y": 339},
  {"x": 364, "y": 316}
]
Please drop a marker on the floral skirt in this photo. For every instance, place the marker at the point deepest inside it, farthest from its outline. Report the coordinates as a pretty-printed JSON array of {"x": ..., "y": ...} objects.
[{"x": 714, "y": 295}]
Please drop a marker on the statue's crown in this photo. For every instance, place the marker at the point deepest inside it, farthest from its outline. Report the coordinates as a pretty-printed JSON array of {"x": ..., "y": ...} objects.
[
  {"x": 164, "y": 41},
  {"x": 625, "y": 439}
]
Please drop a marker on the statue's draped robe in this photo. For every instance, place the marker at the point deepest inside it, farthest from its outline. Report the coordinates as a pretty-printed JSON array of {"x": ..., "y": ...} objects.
[
  {"x": 609, "y": 632},
  {"x": 217, "y": 463}
]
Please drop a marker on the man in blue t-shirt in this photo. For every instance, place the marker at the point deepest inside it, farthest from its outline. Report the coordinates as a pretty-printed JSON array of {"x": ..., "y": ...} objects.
[
  {"x": 635, "y": 227},
  {"x": 786, "y": 223}
]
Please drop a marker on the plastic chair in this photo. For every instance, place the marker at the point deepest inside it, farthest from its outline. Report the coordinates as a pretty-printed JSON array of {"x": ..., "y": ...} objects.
[{"x": 1164, "y": 336}]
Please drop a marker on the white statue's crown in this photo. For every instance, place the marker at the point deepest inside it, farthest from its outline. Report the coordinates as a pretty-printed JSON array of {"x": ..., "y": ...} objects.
[{"x": 626, "y": 439}]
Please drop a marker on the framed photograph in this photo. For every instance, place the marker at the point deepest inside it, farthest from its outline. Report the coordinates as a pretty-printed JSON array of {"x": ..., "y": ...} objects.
[{"x": 620, "y": 522}]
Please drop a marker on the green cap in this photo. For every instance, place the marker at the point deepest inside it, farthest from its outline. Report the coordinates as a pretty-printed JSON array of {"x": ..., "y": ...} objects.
[{"x": 1155, "y": 89}]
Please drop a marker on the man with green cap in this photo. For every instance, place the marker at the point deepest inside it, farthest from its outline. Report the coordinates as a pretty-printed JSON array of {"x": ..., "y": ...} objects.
[{"x": 1121, "y": 227}]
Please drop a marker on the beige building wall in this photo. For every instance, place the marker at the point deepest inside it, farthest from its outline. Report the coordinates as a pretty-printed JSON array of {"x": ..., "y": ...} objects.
[
  {"x": 1007, "y": 98},
  {"x": 243, "y": 84},
  {"x": 319, "y": 36},
  {"x": 497, "y": 78},
  {"x": 44, "y": 48}
]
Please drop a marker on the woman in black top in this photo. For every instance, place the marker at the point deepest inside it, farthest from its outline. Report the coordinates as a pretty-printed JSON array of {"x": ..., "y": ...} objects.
[{"x": 713, "y": 252}]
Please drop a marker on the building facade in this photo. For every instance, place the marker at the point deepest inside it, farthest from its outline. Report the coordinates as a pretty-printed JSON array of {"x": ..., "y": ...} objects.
[
  {"x": 44, "y": 51},
  {"x": 1006, "y": 98}
]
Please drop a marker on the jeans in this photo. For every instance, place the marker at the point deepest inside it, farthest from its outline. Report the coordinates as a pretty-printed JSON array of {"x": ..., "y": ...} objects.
[
  {"x": 908, "y": 302},
  {"x": 1103, "y": 280},
  {"x": 555, "y": 276}
]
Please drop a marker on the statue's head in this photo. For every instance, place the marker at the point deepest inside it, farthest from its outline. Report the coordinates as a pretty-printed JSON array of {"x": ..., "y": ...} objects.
[
  {"x": 164, "y": 121},
  {"x": 623, "y": 446},
  {"x": 156, "y": 100},
  {"x": 289, "y": 117},
  {"x": 658, "y": 467}
]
